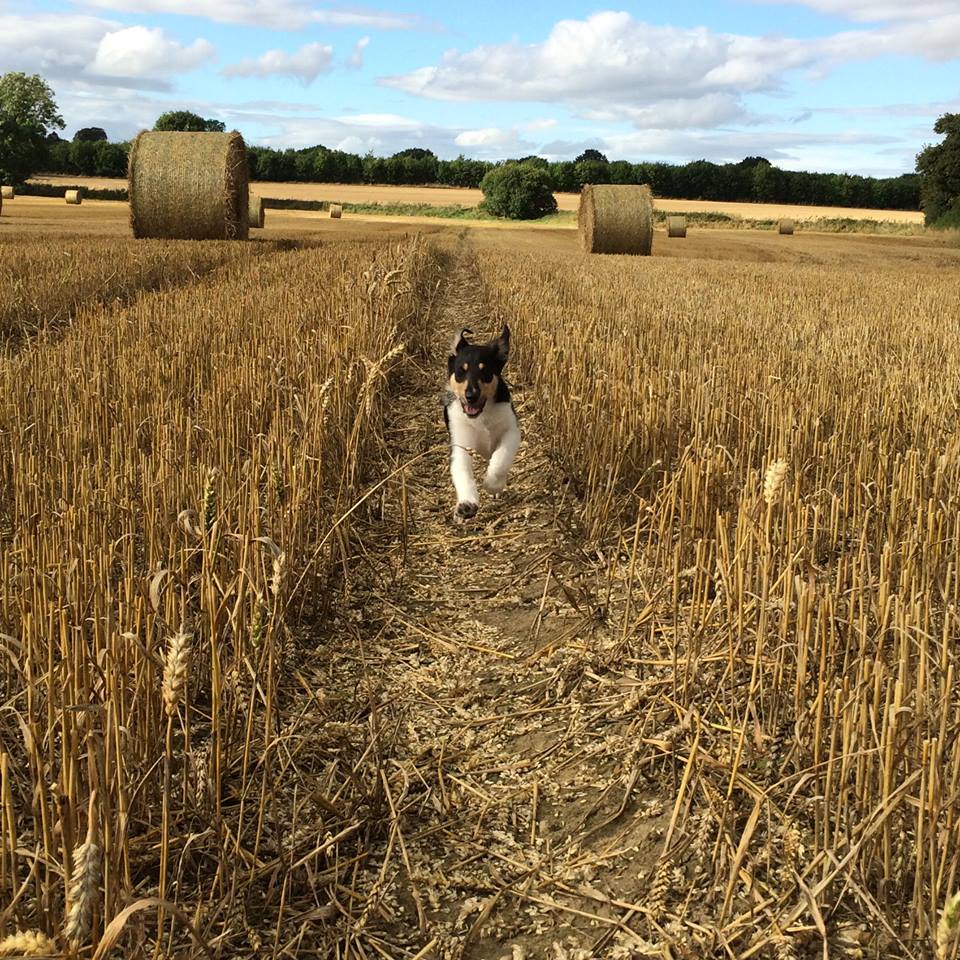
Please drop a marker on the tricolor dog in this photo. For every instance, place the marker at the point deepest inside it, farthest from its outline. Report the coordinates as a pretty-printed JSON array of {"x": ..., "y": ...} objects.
[{"x": 479, "y": 416}]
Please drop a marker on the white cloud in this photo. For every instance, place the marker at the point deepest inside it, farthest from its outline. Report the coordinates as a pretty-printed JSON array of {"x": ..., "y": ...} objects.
[
  {"x": 355, "y": 60},
  {"x": 854, "y": 151},
  {"x": 54, "y": 45},
  {"x": 272, "y": 14},
  {"x": 145, "y": 52},
  {"x": 381, "y": 133},
  {"x": 876, "y": 11},
  {"x": 709, "y": 110},
  {"x": 609, "y": 58},
  {"x": 487, "y": 137},
  {"x": 544, "y": 123},
  {"x": 67, "y": 49},
  {"x": 305, "y": 64},
  {"x": 368, "y": 19},
  {"x": 610, "y": 67}
]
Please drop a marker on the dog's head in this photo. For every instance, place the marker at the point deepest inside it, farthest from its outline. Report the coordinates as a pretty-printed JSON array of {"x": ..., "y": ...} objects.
[{"x": 475, "y": 369}]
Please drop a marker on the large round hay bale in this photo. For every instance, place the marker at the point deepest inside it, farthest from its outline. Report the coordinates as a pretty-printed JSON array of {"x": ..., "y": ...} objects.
[
  {"x": 188, "y": 186},
  {"x": 786, "y": 227},
  {"x": 676, "y": 226},
  {"x": 616, "y": 218},
  {"x": 336, "y": 211},
  {"x": 73, "y": 196},
  {"x": 255, "y": 215},
  {"x": 7, "y": 192}
]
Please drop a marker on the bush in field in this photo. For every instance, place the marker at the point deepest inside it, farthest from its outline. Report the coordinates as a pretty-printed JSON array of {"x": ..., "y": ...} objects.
[{"x": 518, "y": 191}]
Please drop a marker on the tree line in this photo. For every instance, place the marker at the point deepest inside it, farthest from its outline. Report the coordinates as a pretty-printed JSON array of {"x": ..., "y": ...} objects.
[
  {"x": 29, "y": 143},
  {"x": 752, "y": 179}
]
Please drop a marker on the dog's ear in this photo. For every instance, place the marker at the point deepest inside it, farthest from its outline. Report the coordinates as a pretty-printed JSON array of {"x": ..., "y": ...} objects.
[
  {"x": 503, "y": 344},
  {"x": 459, "y": 341}
]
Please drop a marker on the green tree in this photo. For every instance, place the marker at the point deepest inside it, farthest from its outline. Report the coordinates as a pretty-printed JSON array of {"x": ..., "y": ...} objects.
[
  {"x": 591, "y": 156},
  {"x": 27, "y": 114},
  {"x": 939, "y": 169},
  {"x": 460, "y": 172},
  {"x": 110, "y": 159},
  {"x": 564, "y": 174},
  {"x": 185, "y": 121},
  {"x": 83, "y": 157},
  {"x": 91, "y": 134},
  {"x": 769, "y": 183},
  {"x": 58, "y": 156},
  {"x": 518, "y": 191},
  {"x": 414, "y": 165},
  {"x": 591, "y": 171}
]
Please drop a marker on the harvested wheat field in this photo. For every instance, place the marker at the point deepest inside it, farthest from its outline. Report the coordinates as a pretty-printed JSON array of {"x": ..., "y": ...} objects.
[
  {"x": 686, "y": 690},
  {"x": 470, "y": 197}
]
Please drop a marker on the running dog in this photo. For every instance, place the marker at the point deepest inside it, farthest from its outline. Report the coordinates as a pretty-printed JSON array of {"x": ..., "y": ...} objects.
[{"x": 480, "y": 417}]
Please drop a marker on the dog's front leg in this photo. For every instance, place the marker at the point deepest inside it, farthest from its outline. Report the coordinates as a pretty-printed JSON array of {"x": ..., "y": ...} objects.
[
  {"x": 501, "y": 460},
  {"x": 461, "y": 471}
]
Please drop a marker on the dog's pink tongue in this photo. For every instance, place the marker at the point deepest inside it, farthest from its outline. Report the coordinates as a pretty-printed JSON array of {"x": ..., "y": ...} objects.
[{"x": 472, "y": 409}]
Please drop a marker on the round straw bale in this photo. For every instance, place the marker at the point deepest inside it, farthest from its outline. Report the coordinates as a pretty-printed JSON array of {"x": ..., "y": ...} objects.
[
  {"x": 255, "y": 215},
  {"x": 616, "y": 218},
  {"x": 336, "y": 211},
  {"x": 786, "y": 227},
  {"x": 7, "y": 192},
  {"x": 73, "y": 196},
  {"x": 676, "y": 226},
  {"x": 188, "y": 186}
]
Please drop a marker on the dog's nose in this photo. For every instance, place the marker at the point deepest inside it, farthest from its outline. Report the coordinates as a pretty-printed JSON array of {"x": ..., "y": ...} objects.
[{"x": 472, "y": 393}]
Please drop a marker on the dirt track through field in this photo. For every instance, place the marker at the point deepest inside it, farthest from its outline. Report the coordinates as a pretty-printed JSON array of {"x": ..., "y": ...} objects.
[{"x": 513, "y": 822}]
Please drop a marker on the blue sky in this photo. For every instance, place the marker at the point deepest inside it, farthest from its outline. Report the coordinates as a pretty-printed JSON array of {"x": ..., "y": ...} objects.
[{"x": 846, "y": 85}]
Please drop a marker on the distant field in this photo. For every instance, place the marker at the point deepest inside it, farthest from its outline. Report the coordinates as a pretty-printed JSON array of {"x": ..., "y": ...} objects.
[
  {"x": 927, "y": 250},
  {"x": 443, "y": 196}
]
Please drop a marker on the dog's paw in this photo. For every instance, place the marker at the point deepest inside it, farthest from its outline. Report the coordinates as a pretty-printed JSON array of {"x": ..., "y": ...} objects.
[
  {"x": 494, "y": 484},
  {"x": 465, "y": 510}
]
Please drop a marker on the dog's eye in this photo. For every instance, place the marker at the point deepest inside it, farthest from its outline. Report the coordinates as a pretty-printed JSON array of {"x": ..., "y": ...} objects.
[{"x": 485, "y": 375}]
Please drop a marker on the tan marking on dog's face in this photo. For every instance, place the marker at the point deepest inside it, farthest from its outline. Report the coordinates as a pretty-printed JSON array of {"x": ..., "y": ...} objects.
[
  {"x": 458, "y": 387},
  {"x": 489, "y": 390}
]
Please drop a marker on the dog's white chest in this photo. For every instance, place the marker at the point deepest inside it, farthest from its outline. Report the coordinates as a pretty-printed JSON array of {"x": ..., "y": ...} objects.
[{"x": 485, "y": 432}]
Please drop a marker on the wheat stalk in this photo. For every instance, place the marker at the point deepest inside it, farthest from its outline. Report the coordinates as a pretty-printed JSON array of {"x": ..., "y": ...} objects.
[
  {"x": 949, "y": 927},
  {"x": 175, "y": 669},
  {"x": 84, "y": 881},
  {"x": 773, "y": 481},
  {"x": 210, "y": 499},
  {"x": 29, "y": 943}
]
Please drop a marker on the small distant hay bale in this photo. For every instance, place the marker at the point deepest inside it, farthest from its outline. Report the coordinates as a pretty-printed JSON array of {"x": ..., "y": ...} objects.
[
  {"x": 336, "y": 211},
  {"x": 616, "y": 218},
  {"x": 73, "y": 196},
  {"x": 7, "y": 193},
  {"x": 188, "y": 186},
  {"x": 786, "y": 227},
  {"x": 255, "y": 215},
  {"x": 676, "y": 226}
]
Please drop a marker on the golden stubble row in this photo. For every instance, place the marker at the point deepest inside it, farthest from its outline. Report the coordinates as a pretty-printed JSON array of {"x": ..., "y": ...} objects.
[
  {"x": 775, "y": 452},
  {"x": 45, "y": 282},
  {"x": 175, "y": 482}
]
